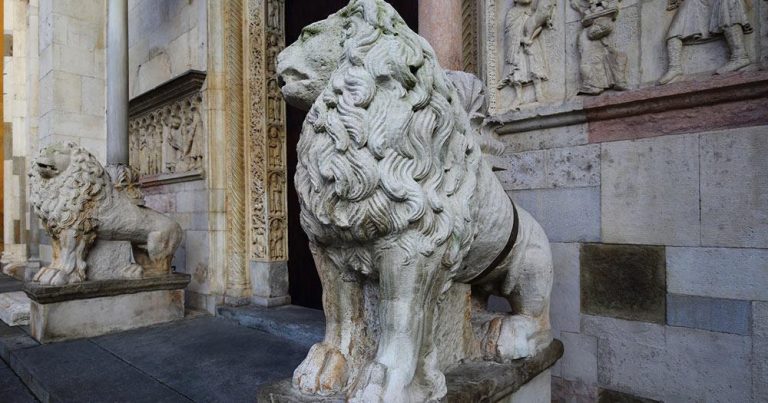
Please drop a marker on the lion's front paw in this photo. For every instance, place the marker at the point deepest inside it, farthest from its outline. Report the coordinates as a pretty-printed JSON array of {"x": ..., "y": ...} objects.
[
  {"x": 51, "y": 276},
  {"x": 513, "y": 337},
  {"x": 323, "y": 372}
]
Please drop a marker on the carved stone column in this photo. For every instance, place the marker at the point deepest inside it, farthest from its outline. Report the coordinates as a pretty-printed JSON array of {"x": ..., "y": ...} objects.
[
  {"x": 439, "y": 24},
  {"x": 117, "y": 82},
  {"x": 265, "y": 162}
]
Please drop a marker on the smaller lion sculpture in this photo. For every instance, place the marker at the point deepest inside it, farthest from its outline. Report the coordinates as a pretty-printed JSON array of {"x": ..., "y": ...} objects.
[{"x": 78, "y": 203}]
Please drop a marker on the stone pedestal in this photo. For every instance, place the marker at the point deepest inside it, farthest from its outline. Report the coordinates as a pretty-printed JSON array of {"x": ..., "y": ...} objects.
[
  {"x": 520, "y": 381},
  {"x": 99, "y": 307}
]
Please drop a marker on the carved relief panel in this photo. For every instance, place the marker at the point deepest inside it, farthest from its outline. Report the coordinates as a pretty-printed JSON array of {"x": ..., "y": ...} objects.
[
  {"x": 524, "y": 52},
  {"x": 265, "y": 129},
  {"x": 167, "y": 131}
]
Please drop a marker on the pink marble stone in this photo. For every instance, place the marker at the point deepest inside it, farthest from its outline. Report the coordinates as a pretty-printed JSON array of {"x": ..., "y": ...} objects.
[
  {"x": 711, "y": 103},
  {"x": 440, "y": 24}
]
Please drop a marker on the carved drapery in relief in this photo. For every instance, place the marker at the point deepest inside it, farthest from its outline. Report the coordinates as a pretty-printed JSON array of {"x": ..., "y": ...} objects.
[
  {"x": 265, "y": 132},
  {"x": 166, "y": 131},
  {"x": 169, "y": 139}
]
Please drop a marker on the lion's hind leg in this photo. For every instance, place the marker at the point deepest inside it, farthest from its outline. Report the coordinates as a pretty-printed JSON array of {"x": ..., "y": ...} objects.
[{"x": 527, "y": 286}]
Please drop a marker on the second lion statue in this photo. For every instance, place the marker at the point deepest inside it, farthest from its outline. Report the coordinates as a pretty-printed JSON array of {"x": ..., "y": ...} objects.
[{"x": 395, "y": 192}]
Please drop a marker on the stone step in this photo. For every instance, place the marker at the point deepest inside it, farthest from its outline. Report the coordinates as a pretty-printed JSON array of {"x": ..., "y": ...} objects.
[{"x": 301, "y": 325}]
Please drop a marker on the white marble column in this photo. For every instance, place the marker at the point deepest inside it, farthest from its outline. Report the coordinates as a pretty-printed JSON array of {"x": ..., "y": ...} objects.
[{"x": 117, "y": 82}]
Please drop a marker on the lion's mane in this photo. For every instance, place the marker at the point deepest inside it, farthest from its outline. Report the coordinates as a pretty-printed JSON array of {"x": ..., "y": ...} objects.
[
  {"x": 387, "y": 147},
  {"x": 68, "y": 200}
]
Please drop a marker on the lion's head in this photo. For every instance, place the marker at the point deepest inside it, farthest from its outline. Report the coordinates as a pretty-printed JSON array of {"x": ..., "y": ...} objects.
[
  {"x": 65, "y": 181},
  {"x": 53, "y": 160},
  {"x": 386, "y": 145}
]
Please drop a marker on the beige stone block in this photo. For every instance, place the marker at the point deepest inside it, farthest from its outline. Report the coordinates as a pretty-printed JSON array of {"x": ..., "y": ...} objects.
[
  {"x": 153, "y": 73},
  {"x": 67, "y": 92},
  {"x": 80, "y": 125},
  {"x": 46, "y": 95},
  {"x": 74, "y": 319},
  {"x": 734, "y": 188},
  {"x": 94, "y": 11},
  {"x": 84, "y": 34},
  {"x": 45, "y": 61},
  {"x": 524, "y": 170},
  {"x": 650, "y": 191},
  {"x": 563, "y": 136},
  {"x": 138, "y": 54},
  {"x": 574, "y": 166},
  {"x": 564, "y": 304},
  {"x": 94, "y": 96},
  {"x": 180, "y": 53},
  {"x": 74, "y": 60},
  {"x": 579, "y": 362},
  {"x": 197, "y": 259},
  {"x": 97, "y": 147},
  {"x": 14, "y": 308}
]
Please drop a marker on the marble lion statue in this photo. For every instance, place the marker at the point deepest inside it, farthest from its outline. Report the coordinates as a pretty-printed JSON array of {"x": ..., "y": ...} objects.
[
  {"x": 78, "y": 203},
  {"x": 395, "y": 190}
]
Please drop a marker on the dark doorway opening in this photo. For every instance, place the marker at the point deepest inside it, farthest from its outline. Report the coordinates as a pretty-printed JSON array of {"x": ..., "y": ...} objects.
[{"x": 305, "y": 288}]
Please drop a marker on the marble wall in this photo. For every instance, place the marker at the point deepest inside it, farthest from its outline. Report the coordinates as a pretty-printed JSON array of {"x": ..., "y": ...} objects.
[
  {"x": 654, "y": 198},
  {"x": 169, "y": 128}
]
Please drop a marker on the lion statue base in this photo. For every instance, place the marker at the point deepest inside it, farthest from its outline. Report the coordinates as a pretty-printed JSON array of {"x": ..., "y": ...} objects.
[
  {"x": 98, "y": 230},
  {"x": 410, "y": 229}
]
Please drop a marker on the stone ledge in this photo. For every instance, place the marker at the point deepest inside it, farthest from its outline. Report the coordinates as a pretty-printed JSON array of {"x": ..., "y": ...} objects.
[
  {"x": 477, "y": 381},
  {"x": 697, "y": 104},
  {"x": 171, "y": 178},
  {"x": 105, "y": 288},
  {"x": 183, "y": 85}
]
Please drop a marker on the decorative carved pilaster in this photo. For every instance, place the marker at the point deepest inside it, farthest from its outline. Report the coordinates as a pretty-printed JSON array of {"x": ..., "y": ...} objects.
[
  {"x": 469, "y": 28},
  {"x": 491, "y": 52},
  {"x": 265, "y": 132},
  {"x": 237, "y": 277}
]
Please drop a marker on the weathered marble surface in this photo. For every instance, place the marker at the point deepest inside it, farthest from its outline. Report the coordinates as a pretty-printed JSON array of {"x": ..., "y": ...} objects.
[
  {"x": 404, "y": 216},
  {"x": 477, "y": 381},
  {"x": 78, "y": 203},
  {"x": 14, "y": 308},
  {"x": 94, "y": 308}
]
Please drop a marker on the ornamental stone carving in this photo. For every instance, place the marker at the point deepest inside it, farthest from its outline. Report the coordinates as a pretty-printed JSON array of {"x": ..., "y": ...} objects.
[
  {"x": 403, "y": 213},
  {"x": 602, "y": 66},
  {"x": 80, "y": 207},
  {"x": 169, "y": 139},
  {"x": 703, "y": 20},
  {"x": 525, "y": 60}
]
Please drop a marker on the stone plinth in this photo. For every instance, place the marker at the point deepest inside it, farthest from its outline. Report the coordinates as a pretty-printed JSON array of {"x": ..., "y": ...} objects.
[
  {"x": 475, "y": 381},
  {"x": 95, "y": 308}
]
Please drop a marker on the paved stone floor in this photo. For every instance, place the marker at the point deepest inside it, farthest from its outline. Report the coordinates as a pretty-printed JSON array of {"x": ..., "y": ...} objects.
[{"x": 201, "y": 359}]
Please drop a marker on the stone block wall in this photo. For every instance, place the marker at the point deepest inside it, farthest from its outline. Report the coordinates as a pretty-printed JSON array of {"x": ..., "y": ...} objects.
[
  {"x": 655, "y": 197},
  {"x": 167, "y": 39},
  {"x": 659, "y": 243}
]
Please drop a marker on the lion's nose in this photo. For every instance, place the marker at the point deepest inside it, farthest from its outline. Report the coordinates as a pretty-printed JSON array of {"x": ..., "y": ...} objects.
[{"x": 280, "y": 81}]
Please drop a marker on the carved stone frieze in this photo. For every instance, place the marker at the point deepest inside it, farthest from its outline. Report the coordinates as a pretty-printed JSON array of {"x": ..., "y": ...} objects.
[
  {"x": 525, "y": 58},
  {"x": 167, "y": 132},
  {"x": 704, "y": 20}
]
